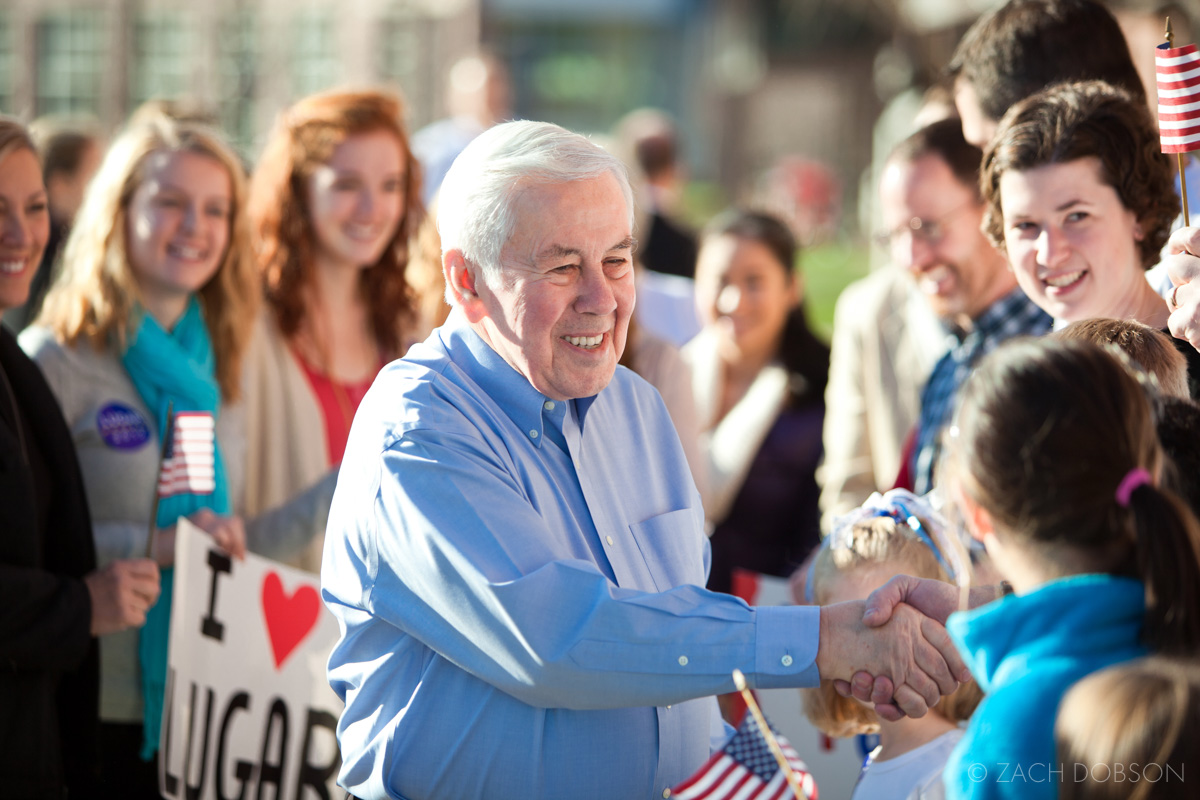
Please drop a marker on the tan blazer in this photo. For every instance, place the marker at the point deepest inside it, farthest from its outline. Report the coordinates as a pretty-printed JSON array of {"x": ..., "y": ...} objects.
[
  {"x": 886, "y": 340},
  {"x": 286, "y": 452}
]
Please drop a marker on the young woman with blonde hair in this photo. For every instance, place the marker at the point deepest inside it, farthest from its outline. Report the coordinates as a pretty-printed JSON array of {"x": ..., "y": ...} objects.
[
  {"x": 153, "y": 308},
  {"x": 334, "y": 204}
]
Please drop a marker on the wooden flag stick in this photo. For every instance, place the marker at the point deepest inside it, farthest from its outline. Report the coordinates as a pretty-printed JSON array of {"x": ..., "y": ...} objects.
[
  {"x": 1183, "y": 188},
  {"x": 739, "y": 680},
  {"x": 167, "y": 435}
]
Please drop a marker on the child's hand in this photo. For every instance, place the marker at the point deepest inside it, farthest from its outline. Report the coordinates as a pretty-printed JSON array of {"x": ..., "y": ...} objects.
[
  {"x": 936, "y": 600},
  {"x": 913, "y": 650}
]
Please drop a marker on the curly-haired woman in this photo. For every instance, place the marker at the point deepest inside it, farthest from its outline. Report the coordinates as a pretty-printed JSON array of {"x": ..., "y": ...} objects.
[
  {"x": 1081, "y": 199},
  {"x": 334, "y": 203},
  {"x": 152, "y": 310}
]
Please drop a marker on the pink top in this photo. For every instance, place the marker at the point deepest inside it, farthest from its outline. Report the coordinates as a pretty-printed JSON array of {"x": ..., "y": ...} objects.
[{"x": 338, "y": 403}]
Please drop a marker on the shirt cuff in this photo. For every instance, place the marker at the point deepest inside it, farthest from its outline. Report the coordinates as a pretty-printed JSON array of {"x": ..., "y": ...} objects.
[{"x": 786, "y": 641}]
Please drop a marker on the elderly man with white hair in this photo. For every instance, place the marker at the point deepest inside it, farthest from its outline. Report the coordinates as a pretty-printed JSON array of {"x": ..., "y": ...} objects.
[{"x": 515, "y": 551}]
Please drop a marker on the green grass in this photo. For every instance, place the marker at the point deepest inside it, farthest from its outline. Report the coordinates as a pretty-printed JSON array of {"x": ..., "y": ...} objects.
[{"x": 827, "y": 269}]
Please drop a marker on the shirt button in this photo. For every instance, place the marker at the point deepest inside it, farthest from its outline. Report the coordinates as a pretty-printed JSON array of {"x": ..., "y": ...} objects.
[
  {"x": 608, "y": 539},
  {"x": 533, "y": 434},
  {"x": 668, "y": 708},
  {"x": 786, "y": 661},
  {"x": 666, "y": 792},
  {"x": 548, "y": 405},
  {"x": 683, "y": 661}
]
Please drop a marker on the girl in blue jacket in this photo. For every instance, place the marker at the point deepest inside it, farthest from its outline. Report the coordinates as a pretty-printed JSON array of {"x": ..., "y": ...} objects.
[{"x": 1056, "y": 467}]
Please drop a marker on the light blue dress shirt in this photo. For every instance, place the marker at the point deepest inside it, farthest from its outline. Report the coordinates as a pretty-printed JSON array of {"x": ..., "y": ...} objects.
[{"x": 518, "y": 584}]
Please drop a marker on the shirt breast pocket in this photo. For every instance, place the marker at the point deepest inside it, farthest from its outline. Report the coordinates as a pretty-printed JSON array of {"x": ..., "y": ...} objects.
[{"x": 674, "y": 548}]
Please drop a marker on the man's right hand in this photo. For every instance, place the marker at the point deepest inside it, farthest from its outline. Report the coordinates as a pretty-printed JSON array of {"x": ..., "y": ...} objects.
[
  {"x": 121, "y": 594},
  {"x": 933, "y": 598},
  {"x": 912, "y": 650}
]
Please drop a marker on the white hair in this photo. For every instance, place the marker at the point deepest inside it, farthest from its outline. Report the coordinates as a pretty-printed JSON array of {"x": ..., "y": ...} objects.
[{"x": 477, "y": 198}]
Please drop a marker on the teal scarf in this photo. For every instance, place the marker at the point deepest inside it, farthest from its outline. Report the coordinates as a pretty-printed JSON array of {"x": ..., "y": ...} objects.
[{"x": 175, "y": 367}]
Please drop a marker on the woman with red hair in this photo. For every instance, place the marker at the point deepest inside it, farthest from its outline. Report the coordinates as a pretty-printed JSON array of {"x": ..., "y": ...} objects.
[{"x": 334, "y": 202}]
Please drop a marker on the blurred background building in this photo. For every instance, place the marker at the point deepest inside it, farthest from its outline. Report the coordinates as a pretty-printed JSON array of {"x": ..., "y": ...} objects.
[
  {"x": 750, "y": 81},
  {"x": 243, "y": 59},
  {"x": 766, "y": 93}
]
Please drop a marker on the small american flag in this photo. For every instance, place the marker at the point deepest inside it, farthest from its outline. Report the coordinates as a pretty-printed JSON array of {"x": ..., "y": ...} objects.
[
  {"x": 1178, "y": 71},
  {"x": 189, "y": 456},
  {"x": 745, "y": 769}
]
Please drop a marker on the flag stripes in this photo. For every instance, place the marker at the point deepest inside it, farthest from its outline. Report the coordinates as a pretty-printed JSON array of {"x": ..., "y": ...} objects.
[
  {"x": 189, "y": 464},
  {"x": 1178, "y": 73},
  {"x": 745, "y": 769}
]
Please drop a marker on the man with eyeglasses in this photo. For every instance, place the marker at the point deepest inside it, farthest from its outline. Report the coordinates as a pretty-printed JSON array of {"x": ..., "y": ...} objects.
[{"x": 932, "y": 213}]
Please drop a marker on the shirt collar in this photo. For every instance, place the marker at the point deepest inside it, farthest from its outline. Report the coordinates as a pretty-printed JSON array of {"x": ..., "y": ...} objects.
[
  {"x": 1079, "y": 614},
  {"x": 997, "y": 316},
  {"x": 509, "y": 389}
]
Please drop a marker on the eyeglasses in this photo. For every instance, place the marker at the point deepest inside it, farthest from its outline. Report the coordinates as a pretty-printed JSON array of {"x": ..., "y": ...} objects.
[{"x": 929, "y": 231}]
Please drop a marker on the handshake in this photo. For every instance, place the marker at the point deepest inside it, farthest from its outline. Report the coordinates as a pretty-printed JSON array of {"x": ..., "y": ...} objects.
[{"x": 892, "y": 649}]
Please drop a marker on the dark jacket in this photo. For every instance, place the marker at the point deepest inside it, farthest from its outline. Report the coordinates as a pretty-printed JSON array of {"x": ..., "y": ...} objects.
[
  {"x": 774, "y": 523},
  {"x": 669, "y": 247},
  {"x": 49, "y": 662}
]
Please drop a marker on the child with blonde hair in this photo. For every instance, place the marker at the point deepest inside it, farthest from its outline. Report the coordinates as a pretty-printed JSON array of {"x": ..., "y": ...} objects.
[
  {"x": 1129, "y": 732},
  {"x": 892, "y": 534}
]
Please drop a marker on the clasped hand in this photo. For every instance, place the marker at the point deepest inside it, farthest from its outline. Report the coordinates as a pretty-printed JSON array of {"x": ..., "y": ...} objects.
[
  {"x": 228, "y": 533},
  {"x": 892, "y": 649}
]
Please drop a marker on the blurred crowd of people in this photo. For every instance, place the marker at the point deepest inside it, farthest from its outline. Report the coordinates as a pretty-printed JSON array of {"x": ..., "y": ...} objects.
[{"x": 155, "y": 270}]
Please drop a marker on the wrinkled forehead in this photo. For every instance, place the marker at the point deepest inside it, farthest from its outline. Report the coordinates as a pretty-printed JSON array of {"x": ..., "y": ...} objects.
[
  {"x": 532, "y": 187},
  {"x": 585, "y": 210}
]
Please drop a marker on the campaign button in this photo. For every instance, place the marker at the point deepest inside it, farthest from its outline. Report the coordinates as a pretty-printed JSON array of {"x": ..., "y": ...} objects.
[{"x": 122, "y": 427}]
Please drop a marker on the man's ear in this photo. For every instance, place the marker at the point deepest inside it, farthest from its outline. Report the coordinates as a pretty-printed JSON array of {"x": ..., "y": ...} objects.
[{"x": 462, "y": 281}]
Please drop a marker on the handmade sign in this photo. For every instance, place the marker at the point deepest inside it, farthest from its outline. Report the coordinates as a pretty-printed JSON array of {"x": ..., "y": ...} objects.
[{"x": 248, "y": 711}]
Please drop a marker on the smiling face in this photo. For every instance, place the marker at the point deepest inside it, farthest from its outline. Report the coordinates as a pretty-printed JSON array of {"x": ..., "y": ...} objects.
[
  {"x": 24, "y": 224},
  {"x": 177, "y": 228},
  {"x": 357, "y": 199},
  {"x": 560, "y": 313},
  {"x": 1071, "y": 242},
  {"x": 933, "y": 223},
  {"x": 745, "y": 294}
]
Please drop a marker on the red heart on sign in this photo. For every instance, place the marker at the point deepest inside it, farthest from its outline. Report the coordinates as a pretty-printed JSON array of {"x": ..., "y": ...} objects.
[{"x": 289, "y": 619}]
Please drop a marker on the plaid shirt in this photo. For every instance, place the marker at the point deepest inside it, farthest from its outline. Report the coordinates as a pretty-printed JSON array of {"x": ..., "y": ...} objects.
[{"x": 1012, "y": 315}]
